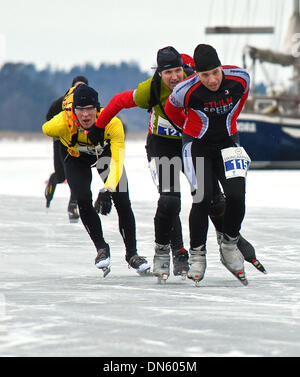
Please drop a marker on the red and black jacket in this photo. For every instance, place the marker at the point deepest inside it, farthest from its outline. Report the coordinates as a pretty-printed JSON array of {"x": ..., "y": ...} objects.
[{"x": 207, "y": 114}]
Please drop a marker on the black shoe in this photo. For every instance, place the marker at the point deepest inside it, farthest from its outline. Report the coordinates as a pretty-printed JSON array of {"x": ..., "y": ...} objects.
[
  {"x": 180, "y": 262},
  {"x": 140, "y": 264},
  {"x": 73, "y": 211}
]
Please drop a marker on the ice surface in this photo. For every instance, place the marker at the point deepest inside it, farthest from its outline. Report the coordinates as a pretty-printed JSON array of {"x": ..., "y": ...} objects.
[{"x": 54, "y": 302}]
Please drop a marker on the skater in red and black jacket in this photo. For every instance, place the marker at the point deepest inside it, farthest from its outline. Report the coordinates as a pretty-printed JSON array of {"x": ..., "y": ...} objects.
[{"x": 206, "y": 106}]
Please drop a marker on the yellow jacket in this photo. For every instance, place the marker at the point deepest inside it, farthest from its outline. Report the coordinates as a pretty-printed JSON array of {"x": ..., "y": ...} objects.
[{"x": 58, "y": 128}]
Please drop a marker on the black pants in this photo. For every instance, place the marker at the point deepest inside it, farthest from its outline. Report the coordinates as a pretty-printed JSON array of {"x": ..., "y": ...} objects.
[
  {"x": 208, "y": 164},
  {"x": 166, "y": 154},
  {"x": 167, "y": 224},
  {"x": 79, "y": 175},
  {"x": 59, "y": 154}
]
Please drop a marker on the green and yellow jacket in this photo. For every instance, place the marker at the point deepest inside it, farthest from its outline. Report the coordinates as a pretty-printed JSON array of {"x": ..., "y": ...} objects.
[{"x": 141, "y": 97}]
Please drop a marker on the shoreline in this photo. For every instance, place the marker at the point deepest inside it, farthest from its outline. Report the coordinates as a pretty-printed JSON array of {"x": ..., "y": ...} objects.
[{"x": 40, "y": 136}]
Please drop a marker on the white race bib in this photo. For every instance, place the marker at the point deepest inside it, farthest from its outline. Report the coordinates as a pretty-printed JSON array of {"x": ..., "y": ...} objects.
[
  {"x": 164, "y": 127},
  {"x": 236, "y": 162}
]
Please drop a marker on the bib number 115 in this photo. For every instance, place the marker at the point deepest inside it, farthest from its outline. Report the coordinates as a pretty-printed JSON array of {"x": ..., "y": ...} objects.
[{"x": 236, "y": 162}]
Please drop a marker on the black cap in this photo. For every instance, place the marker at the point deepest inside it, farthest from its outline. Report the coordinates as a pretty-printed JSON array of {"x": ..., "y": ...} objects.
[
  {"x": 167, "y": 58},
  {"x": 206, "y": 58},
  {"x": 84, "y": 96},
  {"x": 80, "y": 79}
]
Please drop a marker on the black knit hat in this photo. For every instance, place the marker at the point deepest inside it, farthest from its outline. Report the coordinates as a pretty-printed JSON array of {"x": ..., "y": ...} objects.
[
  {"x": 80, "y": 79},
  {"x": 84, "y": 96},
  {"x": 167, "y": 58},
  {"x": 206, "y": 58}
]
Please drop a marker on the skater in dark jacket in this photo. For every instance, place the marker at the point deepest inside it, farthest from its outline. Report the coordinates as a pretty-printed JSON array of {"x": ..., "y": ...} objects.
[{"x": 59, "y": 154}]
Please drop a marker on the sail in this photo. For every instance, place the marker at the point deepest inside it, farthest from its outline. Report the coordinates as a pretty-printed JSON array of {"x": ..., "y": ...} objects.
[
  {"x": 270, "y": 56},
  {"x": 293, "y": 32}
]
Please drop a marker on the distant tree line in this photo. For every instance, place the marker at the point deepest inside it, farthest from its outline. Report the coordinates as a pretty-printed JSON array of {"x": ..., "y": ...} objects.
[{"x": 26, "y": 93}]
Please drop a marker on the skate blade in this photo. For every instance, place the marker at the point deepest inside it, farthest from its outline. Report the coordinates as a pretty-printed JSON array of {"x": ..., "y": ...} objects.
[
  {"x": 106, "y": 271},
  {"x": 196, "y": 279},
  {"x": 242, "y": 278},
  {"x": 145, "y": 273},
  {"x": 184, "y": 275},
  {"x": 258, "y": 266},
  {"x": 162, "y": 279},
  {"x": 73, "y": 221},
  {"x": 240, "y": 275}
]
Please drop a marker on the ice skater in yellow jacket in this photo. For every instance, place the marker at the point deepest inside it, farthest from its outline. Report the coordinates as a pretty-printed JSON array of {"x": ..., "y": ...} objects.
[{"x": 71, "y": 127}]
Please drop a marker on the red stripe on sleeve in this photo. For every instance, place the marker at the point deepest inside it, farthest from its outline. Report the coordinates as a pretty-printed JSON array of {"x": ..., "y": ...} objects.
[
  {"x": 119, "y": 102},
  {"x": 175, "y": 114},
  {"x": 189, "y": 92},
  {"x": 239, "y": 79},
  {"x": 237, "y": 113}
]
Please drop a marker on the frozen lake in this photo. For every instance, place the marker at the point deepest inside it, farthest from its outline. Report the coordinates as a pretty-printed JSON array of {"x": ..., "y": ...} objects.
[{"x": 54, "y": 302}]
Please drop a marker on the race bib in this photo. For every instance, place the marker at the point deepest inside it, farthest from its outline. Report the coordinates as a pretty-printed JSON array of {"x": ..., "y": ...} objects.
[
  {"x": 236, "y": 162},
  {"x": 164, "y": 127}
]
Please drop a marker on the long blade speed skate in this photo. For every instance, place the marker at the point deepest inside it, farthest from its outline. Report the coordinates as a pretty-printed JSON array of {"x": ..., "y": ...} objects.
[
  {"x": 256, "y": 263},
  {"x": 240, "y": 275},
  {"x": 140, "y": 264},
  {"x": 197, "y": 264},
  {"x": 232, "y": 258},
  {"x": 180, "y": 263},
  {"x": 249, "y": 254},
  {"x": 106, "y": 271},
  {"x": 161, "y": 263},
  {"x": 102, "y": 260}
]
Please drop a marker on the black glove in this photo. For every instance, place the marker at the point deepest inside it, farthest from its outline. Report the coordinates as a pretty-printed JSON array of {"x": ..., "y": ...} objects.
[
  {"x": 103, "y": 202},
  {"x": 96, "y": 135}
]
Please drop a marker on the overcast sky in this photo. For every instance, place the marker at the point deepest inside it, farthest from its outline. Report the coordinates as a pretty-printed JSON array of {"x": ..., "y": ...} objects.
[{"x": 74, "y": 32}]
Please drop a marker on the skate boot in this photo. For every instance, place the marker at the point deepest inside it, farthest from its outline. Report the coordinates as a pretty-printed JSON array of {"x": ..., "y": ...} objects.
[
  {"x": 180, "y": 262},
  {"x": 140, "y": 264},
  {"x": 161, "y": 262},
  {"x": 49, "y": 192},
  {"x": 248, "y": 252},
  {"x": 73, "y": 211},
  {"x": 197, "y": 264},
  {"x": 102, "y": 260},
  {"x": 232, "y": 258}
]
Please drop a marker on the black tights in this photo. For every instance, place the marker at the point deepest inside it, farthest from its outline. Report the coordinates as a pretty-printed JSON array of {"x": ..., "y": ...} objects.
[
  {"x": 211, "y": 166},
  {"x": 59, "y": 176},
  {"x": 79, "y": 175}
]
